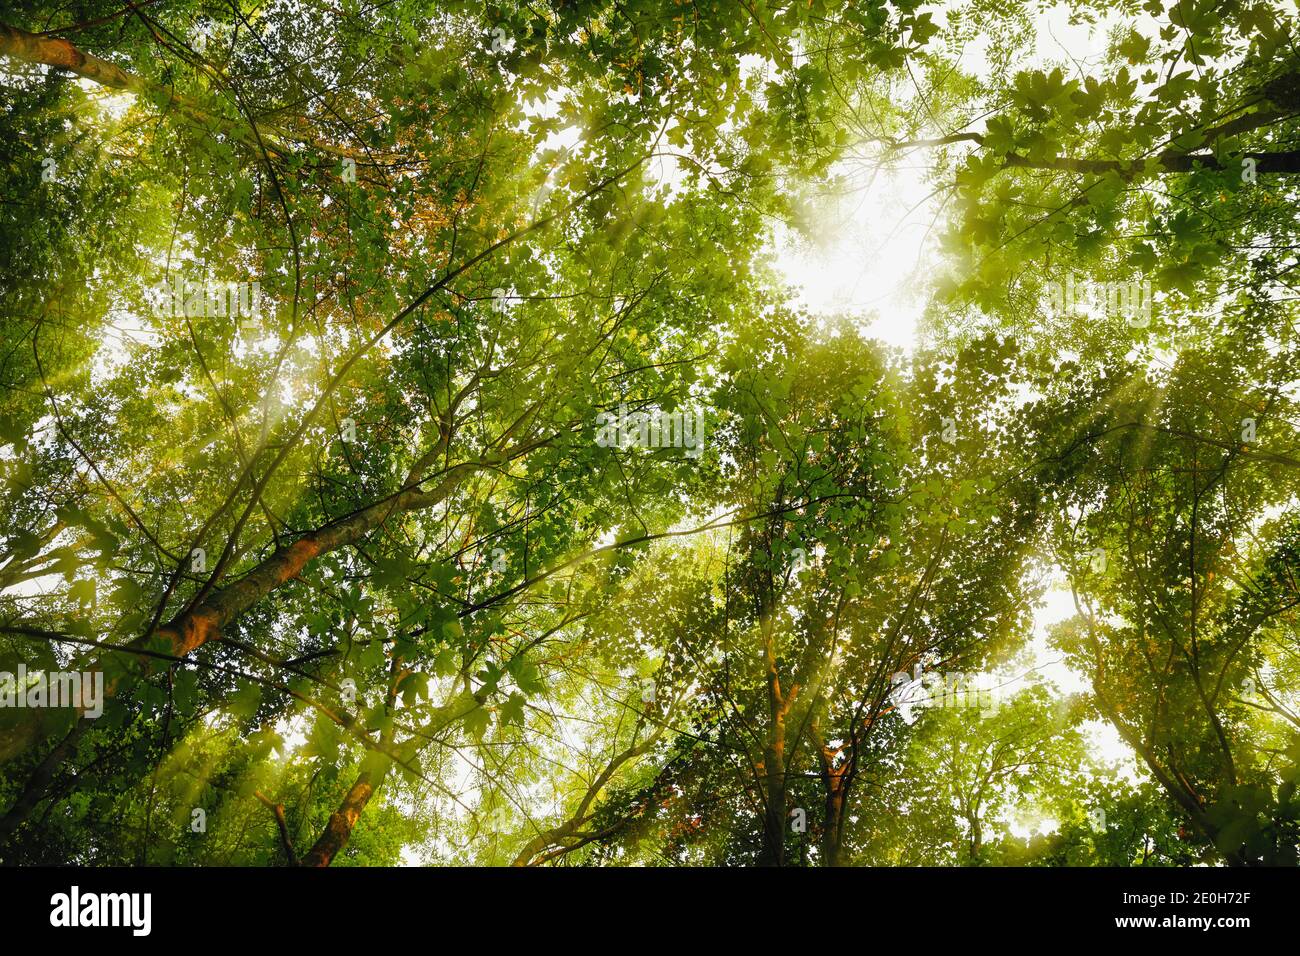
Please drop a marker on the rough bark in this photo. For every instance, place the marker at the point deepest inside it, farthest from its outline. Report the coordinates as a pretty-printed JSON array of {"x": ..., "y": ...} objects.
[
  {"x": 342, "y": 821},
  {"x": 58, "y": 52},
  {"x": 834, "y": 782}
]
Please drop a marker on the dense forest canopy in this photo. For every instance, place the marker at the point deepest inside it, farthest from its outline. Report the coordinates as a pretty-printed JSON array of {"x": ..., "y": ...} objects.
[{"x": 416, "y": 444}]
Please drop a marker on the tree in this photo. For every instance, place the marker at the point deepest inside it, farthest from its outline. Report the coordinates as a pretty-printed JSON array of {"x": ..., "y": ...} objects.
[{"x": 404, "y": 415}]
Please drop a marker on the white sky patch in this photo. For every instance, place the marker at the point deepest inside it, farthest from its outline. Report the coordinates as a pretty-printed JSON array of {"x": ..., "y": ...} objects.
[
  {"x": 293, "y": 733},
  {"x": 1057, "y": 38},
  {"x": 1026, "y": 826},
  {"x": 1103, "y": 740},
  {"x": 1106, "y": 744},
  {"x": 411, "y": 856},
  {"x": 665, "y": 171},
  {"x": 1057, "y": 606},
  {"x": 45, "y": 585},
  {"x": 113, "y": 352},
  {"x": 113, "y": 104},
  {"x": 868, "y": 253}
]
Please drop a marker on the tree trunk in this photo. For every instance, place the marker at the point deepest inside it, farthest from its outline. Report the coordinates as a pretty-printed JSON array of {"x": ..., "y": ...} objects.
[
  {"x": 833, "y": 824},
  {"x": 58, "y": 52},
  {"x": 976, "y": 839},
  {"x": 836, "y": 781},
  {"x": 338, "y": 831},
  {"x": 774, "y": 784}
]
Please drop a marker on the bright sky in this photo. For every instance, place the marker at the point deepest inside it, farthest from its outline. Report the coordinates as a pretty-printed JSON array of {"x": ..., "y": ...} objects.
[{"x": 869, "y": 255}]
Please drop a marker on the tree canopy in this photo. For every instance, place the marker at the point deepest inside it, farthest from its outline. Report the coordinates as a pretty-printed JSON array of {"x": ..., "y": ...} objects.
[{"x": 410, "y": 425}]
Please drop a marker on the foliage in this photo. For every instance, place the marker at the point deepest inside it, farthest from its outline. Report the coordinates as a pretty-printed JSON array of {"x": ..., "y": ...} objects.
[{"x": 318, "y": 321}]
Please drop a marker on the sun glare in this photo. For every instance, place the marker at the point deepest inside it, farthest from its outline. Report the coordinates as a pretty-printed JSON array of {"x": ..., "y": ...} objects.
[{"x": 863, "y": 250}]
